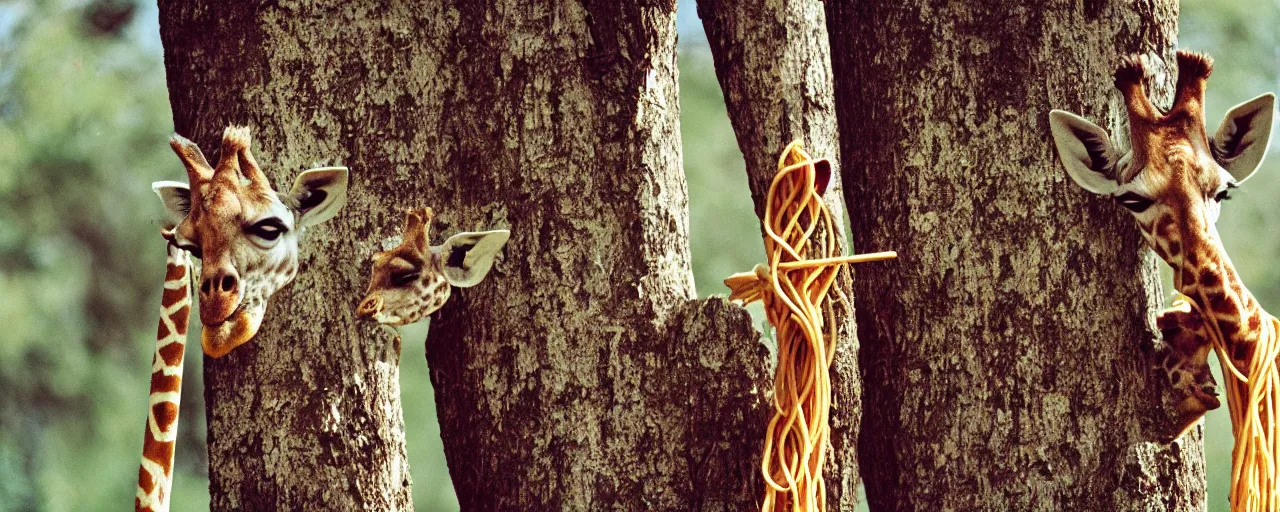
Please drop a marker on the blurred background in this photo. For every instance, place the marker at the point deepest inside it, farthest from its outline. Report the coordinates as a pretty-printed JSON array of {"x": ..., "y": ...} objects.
[{"x": 84, "y": 116}]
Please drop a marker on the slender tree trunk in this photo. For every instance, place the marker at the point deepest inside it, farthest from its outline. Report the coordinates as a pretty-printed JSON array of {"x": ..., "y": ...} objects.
[
  {"x": 580, "y": 374},
  {"x": 1003, "y": 352},
  {"x": 774, "y": 66}
]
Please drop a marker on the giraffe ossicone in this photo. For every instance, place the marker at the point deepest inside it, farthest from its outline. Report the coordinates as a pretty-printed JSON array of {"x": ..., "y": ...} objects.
[
  {"x": 1173, "y": 178},
  {"x": 244, "y": 232},
  {"x": 412, "y": 280}
]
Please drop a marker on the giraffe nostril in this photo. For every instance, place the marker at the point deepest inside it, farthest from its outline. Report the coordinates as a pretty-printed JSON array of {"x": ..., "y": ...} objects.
[
  {"x": 205, "y": 286},
  {"x": 228, "y": 283}
]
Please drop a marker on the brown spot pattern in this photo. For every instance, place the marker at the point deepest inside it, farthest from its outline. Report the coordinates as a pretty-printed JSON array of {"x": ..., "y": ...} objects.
[
  {"x": 165, "y": 414},
  {"x": 1221, "y": 304},
  {"x": 173, "y": 296},
  {"x": 175, "y": 272},
  {"x": 180, "y": 319},
  {"x": 144, "y": 482},
  {"x": 1228, "y": 328},
  {"x": 1209, "y": 280},
  {"x": 172, "y": 354},
  {"x": 161, "y": 383},
  {"x": 160, "y": 452},
  {"x": 1164, "y": 226}
]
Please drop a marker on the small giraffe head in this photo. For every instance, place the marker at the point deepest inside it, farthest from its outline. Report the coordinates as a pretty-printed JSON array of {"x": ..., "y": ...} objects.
[
  {"x": 245, "y": 233},
  {"x": 414, "y": 279},
  {"x": 1184, "y": 358},
  {"x": 1174, "y": 177}
]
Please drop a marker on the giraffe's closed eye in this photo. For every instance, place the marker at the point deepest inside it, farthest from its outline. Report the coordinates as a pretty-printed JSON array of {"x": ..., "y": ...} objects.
[
  {"x": 404, "y": 278},
  {"x": 1134, "y": 202}
]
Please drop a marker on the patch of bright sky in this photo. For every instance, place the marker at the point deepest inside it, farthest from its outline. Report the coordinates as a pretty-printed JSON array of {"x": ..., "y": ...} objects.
[
  {"x": 688, "y": 25},
  {"x": 146, "y": 27}
]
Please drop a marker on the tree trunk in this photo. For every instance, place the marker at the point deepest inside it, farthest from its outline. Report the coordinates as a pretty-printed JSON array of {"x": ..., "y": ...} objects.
[
  {"x": 579, "y": 375},
  {"x": 307, "y": 414},
  {"x": 774, "y": 66},
  {"x": 1003, "y": 350}
]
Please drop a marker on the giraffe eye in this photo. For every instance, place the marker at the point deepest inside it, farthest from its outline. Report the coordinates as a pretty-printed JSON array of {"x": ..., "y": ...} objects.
[
  {"x": 1134, "y": 202},
  {"x": 269, "y": 229},
  {"x": 404, "y": 278}
]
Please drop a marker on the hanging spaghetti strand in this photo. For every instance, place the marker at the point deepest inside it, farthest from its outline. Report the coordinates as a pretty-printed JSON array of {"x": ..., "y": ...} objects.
[{"x": 794, "y": 285}]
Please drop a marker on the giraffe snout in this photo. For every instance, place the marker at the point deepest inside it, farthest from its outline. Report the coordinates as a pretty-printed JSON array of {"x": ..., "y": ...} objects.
[
  {"x": 219, "y": 295},
  {"x": 370, "y": 306}
]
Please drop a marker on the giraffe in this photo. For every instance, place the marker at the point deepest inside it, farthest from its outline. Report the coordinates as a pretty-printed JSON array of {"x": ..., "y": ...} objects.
[
  {"x": 414, "y": 279},
  {"x": 245, "y": 234},
  {"x": 1173, "y": 179},
  {"x": 155, "y": 476}
]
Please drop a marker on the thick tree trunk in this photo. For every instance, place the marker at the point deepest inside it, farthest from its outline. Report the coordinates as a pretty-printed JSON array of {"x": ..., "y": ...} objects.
[
  {"x": 1003, "y": 351},
  {"x": 774, "y": 67},
  {"x": 308, "y": 414},
  {"x": 579, "y": 375}
]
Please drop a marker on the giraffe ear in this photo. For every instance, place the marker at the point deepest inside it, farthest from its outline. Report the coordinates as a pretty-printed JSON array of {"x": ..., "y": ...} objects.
[
  {"x": 1085, "y": 150},
  {"x": 469, "y": 256},
  {"x": 822, "y": 176},
  {"x": 1243, "y": 137},
  {"x": 319, "y": 194},
  {"x": 176, "y": 198}
]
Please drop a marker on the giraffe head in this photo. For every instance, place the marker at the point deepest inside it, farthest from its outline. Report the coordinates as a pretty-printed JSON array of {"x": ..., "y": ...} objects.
[
  {"x": 1173, "y": 179},
  {"x": 1184, "y": 358},
  {"x": 245, "y": 233},
  {"x": 414, "y": 279}
]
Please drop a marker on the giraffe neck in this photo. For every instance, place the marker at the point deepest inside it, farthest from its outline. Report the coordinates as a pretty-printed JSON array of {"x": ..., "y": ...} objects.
[
  {"x": 155, "y": 477},
  {"x": 1210, "y": 279}
]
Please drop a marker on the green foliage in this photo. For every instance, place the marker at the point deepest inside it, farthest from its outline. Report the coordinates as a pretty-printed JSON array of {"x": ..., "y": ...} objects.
[{"x": 83, "y": 119}]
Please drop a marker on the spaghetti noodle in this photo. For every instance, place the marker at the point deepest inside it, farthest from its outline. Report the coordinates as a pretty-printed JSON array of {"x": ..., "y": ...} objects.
[{"x": 794, "y": 287}]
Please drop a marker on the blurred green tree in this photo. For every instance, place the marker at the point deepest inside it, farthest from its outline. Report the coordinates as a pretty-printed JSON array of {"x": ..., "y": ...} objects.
[
  {"x": 1242, "y": 38},
  {"x": 82, "y": 109}
]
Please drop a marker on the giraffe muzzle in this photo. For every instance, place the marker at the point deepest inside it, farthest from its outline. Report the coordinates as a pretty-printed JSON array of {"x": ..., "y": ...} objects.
[
  {"x": 218, "y": 340},
  {"x": 219, "y": 297}
]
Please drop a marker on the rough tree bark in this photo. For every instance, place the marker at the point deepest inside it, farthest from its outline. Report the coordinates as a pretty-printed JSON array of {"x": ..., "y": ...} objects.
[
  {"x": 774, "y": 66},
  {"x": 308, "y": 414},
  {"x": 580, "y": 374},
  {"x": 1002, "y": 353}
]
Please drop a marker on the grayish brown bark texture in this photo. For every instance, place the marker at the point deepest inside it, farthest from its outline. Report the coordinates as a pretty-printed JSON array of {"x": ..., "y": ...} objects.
[
  {"x": 1003, "y": 354},
  {"x": 581, "y": 374},
  {"x": 774, "y": 66},
  {"x": 307, "y": 415}
]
